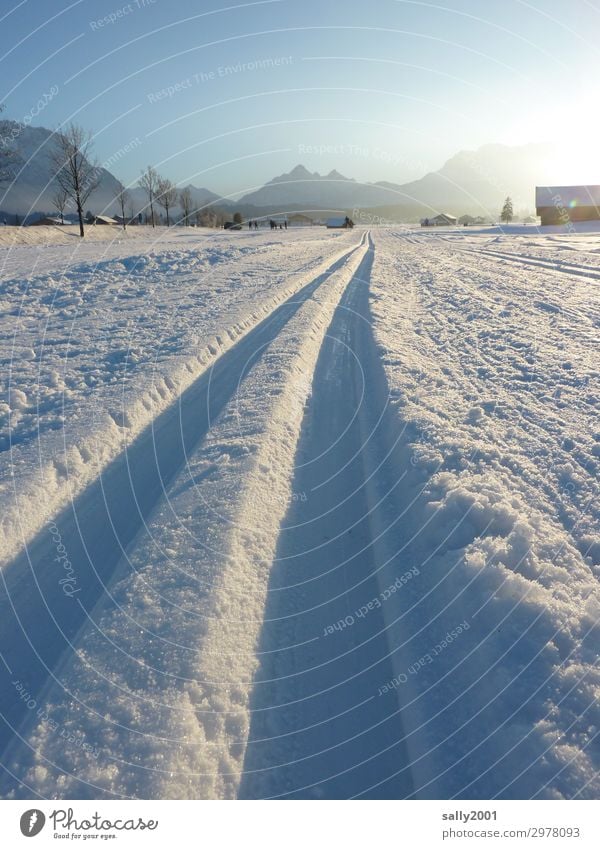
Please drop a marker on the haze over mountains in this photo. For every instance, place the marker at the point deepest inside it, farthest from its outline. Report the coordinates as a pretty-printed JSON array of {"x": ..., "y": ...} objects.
[{"x": 470, "y": 182}]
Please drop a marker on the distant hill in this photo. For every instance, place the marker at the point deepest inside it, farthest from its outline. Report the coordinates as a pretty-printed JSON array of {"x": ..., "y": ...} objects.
[
  {"x": 35, "y": 185},
  {"x": 302, "y": 189},
  {"x": 471, "y": 181},
  {"x": 474, "y": 182},
  {"x": 478, "y": 181}
]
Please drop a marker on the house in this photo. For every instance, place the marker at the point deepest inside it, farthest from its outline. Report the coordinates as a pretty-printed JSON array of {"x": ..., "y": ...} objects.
[
  {"x": 339, "y": 223},
  {"x": 440, "y": 220},
  {"x": 102, "y": 219},
  {"x": 565, "y": 204},
  {"x": 297, "y": 219}
]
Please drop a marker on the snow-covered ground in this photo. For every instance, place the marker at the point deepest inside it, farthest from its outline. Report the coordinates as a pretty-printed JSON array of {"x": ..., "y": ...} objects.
[
  {"x": 301, "y": 514},
  {"x": 493, "y": 367},
  {"x": 98, "y": 340}
]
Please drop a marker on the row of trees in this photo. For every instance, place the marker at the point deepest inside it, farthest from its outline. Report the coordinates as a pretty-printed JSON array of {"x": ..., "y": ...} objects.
[
  {"x": 78, "y": 175},
  {"x": 162, "y": 192}
]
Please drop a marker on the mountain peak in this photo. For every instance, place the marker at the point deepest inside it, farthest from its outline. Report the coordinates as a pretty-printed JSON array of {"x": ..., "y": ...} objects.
[
  {"x": 335, "y": 175},
  {"x": 300, "y": 172}
]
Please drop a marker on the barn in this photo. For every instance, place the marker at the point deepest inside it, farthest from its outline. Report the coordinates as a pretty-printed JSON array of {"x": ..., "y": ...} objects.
[
  {"x": 443, "y": 219},
  {"x": 565, "y": 204},
  {"x": 297, "y": 219},
  {"x": 103, "y": 219}
]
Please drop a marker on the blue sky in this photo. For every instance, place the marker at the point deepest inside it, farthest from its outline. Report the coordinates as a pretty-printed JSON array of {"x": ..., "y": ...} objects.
[{"x": 228, "y": 95}]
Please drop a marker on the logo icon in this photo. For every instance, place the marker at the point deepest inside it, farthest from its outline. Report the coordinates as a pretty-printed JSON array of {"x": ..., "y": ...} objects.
[{"x": 32, "y": 822}]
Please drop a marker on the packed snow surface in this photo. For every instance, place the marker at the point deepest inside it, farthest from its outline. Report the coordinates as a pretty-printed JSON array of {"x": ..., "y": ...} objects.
[{"x": 303, "y": 514}]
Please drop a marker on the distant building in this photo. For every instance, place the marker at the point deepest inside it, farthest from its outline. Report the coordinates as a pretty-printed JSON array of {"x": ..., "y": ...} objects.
[
  {"x": 441, "y": 220},
  {"x": 297, "y": 219},
  {"x": 102, "y": 219},
  {"x": 562, "y": 204},
  {"x": 339, "y": 223}
]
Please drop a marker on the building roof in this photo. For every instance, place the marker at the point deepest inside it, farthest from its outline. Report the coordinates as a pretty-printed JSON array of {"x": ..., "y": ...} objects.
[{"x": 104, "y": 219}]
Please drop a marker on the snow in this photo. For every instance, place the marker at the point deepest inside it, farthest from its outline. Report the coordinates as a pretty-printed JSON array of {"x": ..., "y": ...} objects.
[
  {"x": 324, "y": 508},
  {"x": 96, "y": 349},
  {"x": 45, "y": 235},
  {"x": 492, "y": 370}
]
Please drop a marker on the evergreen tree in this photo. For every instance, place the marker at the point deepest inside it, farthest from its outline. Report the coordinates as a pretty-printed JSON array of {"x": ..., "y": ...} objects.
[{"x": 507, "y": 213}]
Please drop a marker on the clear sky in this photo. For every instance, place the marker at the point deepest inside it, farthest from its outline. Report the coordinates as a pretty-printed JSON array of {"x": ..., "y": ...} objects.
[{"x": 227, "y": 95}]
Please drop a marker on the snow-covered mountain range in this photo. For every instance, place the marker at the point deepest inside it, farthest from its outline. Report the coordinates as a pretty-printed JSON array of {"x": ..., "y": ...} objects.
[{"x": 471, "y": 181}]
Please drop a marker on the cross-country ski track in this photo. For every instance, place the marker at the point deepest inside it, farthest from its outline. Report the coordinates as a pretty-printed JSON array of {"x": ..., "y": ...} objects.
[{"x": 337, "y": 556}]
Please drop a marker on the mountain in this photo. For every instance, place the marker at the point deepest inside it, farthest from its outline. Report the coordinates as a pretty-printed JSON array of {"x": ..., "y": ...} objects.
[
  {"x": 479, "y": 180},
  {"x": 302, "y": 189},
  {"x": 35, "y": 184},
  {"x": 473, "y": 182}
]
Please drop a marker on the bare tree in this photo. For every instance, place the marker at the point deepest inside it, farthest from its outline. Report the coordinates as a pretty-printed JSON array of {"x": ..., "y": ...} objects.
[
  {"x": 166, "y": 196},
  {"x": 186, "y": 203},
  {"x": 76, "y": 174},
  {"x": 123, "y": 201},
  {"x": 149, "y": 182},
  {"x": 59, "y": 202}
]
